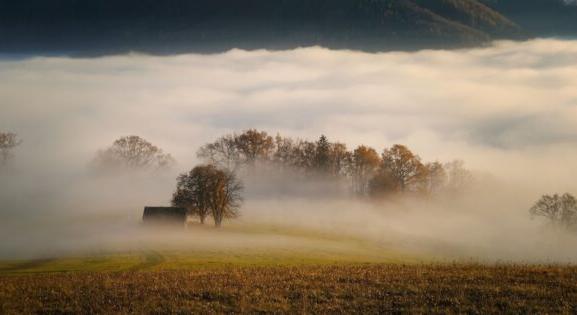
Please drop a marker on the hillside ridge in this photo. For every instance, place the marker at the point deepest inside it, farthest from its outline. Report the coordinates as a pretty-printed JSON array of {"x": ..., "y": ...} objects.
[{"x": 173, "y": 26}]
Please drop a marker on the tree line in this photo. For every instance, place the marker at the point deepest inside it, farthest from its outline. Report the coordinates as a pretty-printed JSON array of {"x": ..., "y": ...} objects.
[
  {"x": 396, "y": 170},
  {"x": 214, "y": 190}
]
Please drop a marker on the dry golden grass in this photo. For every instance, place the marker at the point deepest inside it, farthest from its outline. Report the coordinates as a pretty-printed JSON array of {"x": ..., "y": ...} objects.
[{"x": 348, "y": 288}]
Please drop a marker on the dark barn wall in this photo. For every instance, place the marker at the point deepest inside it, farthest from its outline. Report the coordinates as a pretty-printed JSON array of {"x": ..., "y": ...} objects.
[{"x": 174, "y": 215}]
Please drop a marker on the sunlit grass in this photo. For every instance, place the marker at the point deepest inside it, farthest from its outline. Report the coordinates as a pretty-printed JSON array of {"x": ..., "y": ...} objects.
[
  {"x": 184, "y": 260},
  {"x": 325, "y": 273},
  {"x": 296, "y": 246}
]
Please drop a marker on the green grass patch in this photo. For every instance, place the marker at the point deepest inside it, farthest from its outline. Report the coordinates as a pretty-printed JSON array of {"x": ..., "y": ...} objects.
[{"x": 282, "y": 247}]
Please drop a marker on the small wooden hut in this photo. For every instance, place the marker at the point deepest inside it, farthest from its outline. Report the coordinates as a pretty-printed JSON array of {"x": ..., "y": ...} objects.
[{"x": 164, "y": 215}]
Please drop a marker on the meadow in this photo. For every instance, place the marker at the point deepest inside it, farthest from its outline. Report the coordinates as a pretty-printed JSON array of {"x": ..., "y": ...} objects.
[
  {"x": 298, "y": 288},
  {"x": 324, "y": 274}
]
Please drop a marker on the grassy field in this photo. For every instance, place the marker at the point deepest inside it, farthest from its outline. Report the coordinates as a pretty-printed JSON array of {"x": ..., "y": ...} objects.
[
  {"x": 292, "y": 272},
  {"x": 203, "y": 247},
  {"x": 349, "y": 288},
  {"x": 154, "y": 261}
]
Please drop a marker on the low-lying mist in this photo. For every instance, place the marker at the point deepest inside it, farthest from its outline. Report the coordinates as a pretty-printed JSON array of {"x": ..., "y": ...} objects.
[{"x": 509, "y": 111}]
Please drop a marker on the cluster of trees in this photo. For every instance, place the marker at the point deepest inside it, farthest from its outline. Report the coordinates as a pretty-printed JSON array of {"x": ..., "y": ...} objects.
[
  {"x": 132, "y": 152},
  {"x": 396, "y": 170},
  {"x": 559, "y": 210},
  {"x": 205, "y": 191},
  {"x": 8, "y": 141},
  {"x": 213, "y": 190},
  {"x": 209, "y": 191}
]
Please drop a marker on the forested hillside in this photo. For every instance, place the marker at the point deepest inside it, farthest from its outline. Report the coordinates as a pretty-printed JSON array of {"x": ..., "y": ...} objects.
[
  {"x": 540, "y": 17},
  {"x": 171, "y": 26}
]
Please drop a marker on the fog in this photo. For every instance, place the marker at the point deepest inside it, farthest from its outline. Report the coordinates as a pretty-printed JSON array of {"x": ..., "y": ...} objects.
[{"x": 508, "y": 110}]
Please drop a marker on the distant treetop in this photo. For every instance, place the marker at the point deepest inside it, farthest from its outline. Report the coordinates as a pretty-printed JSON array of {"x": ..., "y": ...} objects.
[
  {"x": 132, "y": 153},
  {"x": 8, "y": 141}
]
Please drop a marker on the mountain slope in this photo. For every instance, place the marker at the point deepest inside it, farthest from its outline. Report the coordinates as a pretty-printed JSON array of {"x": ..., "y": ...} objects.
[
  {"x": 169, "y": 26},
  {"x": 540, "y": 17},
  {"x": 472, "y": 13}
]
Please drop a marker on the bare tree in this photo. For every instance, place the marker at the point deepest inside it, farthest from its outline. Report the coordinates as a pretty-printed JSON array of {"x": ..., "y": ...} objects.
[
  {"x": 284, "y": 154},
  {"x": 223, "y": 152},
  {"x": 8, "y": 141},
  {"x": 193, "y": 193},
  {"x": 305, "y": 153},
  {"x": 435, "y": 178},
  {"x": 132, "y": 152},
  {"x": 341, "y": 159},
  {"x": 225, "y": 195},
  {"x": 559, "y": 210},
  {"x": 207, "y": 190},
  {"x": 294, "y": 155},
  {"x": 232, "y": 151},
  {"x": 458, "y": 177}
]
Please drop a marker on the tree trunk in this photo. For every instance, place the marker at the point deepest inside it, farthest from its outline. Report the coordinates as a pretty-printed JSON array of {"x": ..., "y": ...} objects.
[{"x": 217, "y": 219}]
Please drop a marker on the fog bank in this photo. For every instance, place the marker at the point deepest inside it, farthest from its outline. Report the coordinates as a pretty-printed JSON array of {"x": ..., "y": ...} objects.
[{"x": 509, "y": 111}]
